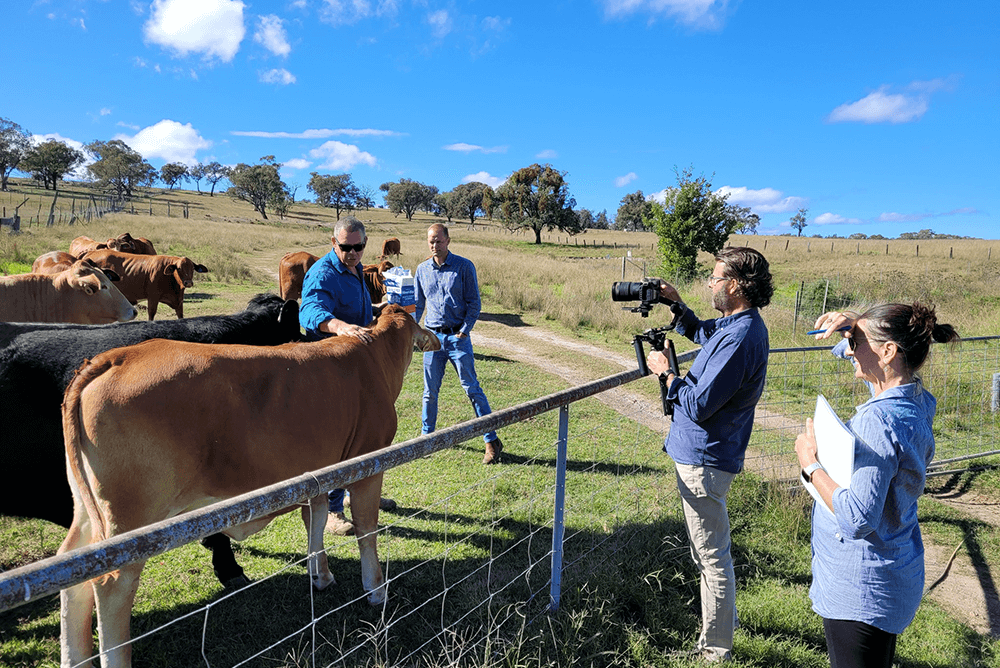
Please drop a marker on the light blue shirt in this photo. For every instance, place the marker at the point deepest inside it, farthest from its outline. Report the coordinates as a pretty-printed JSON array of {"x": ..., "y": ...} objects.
[
  {"x": 331, "y": 290},
  {"x": 715, "y": 400},
  {"x": 868, "y": 557},
  {"x": 449, "y": 292}
]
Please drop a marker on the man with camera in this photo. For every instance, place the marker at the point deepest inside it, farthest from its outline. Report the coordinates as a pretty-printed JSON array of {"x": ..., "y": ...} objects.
[{"x": 713, "y": 417}]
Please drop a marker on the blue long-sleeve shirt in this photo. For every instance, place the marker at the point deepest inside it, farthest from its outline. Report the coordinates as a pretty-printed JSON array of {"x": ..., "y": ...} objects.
[
  {"x": 868, "y": 556},
  {"x": 449, "y": 292},
  {"x": 715, "y": 401},
  {"x": 331, "y": 290}
]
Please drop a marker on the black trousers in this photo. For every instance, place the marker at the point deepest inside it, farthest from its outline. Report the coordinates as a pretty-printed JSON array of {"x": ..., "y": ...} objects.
[{"x": 858, "y": 645}]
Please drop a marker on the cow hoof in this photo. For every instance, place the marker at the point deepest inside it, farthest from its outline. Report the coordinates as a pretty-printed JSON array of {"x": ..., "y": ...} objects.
[
  {"x": 235, "y": 583},
  {"x": 321, "y": 582},
  {"x": 377, "y": 597}
]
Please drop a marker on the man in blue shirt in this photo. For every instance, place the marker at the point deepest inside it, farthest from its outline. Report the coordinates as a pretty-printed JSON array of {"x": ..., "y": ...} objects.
[
  {"x": 713, "y": 417},
  {"x": 336, "y": 302},
  {"x": 447, "y": 287}
]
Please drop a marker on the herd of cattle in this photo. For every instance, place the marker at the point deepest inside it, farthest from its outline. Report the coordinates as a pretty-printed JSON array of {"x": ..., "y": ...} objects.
[{"x": 92, "y": 409}]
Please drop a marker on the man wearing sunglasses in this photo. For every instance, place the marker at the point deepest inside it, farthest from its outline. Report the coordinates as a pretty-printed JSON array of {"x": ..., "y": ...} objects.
[
  {"x": 336, "y": 302},
  {"x": 713, "y": 417}
]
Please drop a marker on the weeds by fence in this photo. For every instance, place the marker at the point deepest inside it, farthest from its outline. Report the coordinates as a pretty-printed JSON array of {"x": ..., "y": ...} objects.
[{"x": 496, "y": 577}]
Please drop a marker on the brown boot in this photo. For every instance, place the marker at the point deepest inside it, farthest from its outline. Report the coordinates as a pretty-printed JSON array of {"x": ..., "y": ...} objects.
[
  {"x": 338, "y": 525},
  {"x": 493, "y": 450}
]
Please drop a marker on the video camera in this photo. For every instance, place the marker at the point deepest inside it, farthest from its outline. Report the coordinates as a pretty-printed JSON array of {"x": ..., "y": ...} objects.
[{"x": 647, "y": 292}]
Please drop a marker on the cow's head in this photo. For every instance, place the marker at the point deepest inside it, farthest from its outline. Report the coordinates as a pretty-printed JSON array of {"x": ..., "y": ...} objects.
[
  {"x": 423, "y": 340},
  {"x": 104, "y": 302},
  {"x": 183, "y": 269}
]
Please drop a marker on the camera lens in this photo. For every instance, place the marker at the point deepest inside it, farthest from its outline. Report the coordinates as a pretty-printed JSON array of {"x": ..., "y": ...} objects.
[{"x": 626, "y": 291}]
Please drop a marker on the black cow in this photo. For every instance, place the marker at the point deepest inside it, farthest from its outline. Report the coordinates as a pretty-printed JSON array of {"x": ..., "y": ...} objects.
[{"x": 37, "y": 362}]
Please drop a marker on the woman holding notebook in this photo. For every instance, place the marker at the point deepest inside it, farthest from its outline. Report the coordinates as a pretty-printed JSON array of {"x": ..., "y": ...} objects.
[{"x": 868, "y": 557}]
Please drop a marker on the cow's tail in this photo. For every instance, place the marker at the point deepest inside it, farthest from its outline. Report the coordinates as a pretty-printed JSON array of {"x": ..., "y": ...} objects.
[{"x": 76, "y": 467}]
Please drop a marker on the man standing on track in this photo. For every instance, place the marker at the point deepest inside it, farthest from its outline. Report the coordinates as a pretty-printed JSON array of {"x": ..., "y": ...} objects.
[
  {"x": 713, "y": 417},
  {"x": 447, "y": 286}
]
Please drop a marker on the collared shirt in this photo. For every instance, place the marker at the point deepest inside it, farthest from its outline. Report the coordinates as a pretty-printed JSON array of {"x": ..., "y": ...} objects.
[
  {"x": 449, "y": 292},
  {"x": 715, "y": 401},
  {"x": 332, "y": 290},
  {"x": 868, "y": 556}
]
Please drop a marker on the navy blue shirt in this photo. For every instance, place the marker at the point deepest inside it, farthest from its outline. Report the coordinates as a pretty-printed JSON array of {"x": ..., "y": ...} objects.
[
  {"x": 332, "y": 290},
  {"x": 449, "y": 292},
  {"x": 715, "y": 401}
]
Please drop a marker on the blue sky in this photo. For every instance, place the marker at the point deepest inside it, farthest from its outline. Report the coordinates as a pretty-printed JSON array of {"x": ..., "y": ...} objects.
[{"x": 878, "y": 117}]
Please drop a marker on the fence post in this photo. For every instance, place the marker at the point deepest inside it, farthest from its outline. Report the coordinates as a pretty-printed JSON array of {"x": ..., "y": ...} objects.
[
  {"x": 995, "y": 404},
  {"x": 558, "y": 520}
]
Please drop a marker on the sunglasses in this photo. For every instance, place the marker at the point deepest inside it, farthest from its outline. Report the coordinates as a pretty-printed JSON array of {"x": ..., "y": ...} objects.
[{"x": 347, "y": 248}]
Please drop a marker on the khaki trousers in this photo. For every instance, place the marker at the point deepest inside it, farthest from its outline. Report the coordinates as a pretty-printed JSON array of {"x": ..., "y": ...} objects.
[{"x": 703, "y": 491}]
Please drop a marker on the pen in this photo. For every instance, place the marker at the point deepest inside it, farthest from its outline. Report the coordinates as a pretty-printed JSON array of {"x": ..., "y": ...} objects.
[{"x": 845, "y": 328}]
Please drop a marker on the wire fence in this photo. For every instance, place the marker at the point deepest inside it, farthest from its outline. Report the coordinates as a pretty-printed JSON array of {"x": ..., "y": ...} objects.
[{"x": 492, "y": 578}]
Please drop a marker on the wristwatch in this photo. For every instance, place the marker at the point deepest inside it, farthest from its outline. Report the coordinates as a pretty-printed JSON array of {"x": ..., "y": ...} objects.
[{"x": 807, "y": 472}]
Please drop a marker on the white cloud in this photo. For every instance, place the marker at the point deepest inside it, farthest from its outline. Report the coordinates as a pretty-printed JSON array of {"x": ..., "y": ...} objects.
[
  {"x": 277, "y": 76},
  {"x": 345, "y": 12},
  {"x": 835, "y": 219},
  {"x": 297, "y": 163},
  {"x": 80, "y": 23},
  {"x": 105, "y": 111},
  {"x": 168, "y": 140},
  {"x": 883, "y": 106},
  {"x": 659, "y": 196},
  {"x": 623, "y": 181},
  {"x": 708, "y": 14},
  {"x": 271, "y": 34},
  {"x": 893, "y": 217},
  {"x": 495, "y": 23},
  {"x": 316, "y": 134},
  {"x": 440, "y": 22},
  {"x": 547, "y": 154},
  {"x": 213, "y": 28},
  {"x": 387, "y": 9},
  {"x": 765, "y": 200},
  {"x": 130, "y": 126},
  {"x": 484, "y": 177},
  {"x": 462, "y": 147},
  {"x": 340, "y": 156}
]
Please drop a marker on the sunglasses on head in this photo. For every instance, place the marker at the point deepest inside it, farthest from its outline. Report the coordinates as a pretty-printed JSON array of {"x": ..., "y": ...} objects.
[{"x": 347, "y": 248}]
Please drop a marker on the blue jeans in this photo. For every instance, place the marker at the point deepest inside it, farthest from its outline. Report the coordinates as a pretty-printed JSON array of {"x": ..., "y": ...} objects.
[
  {"x": 458, "y": 351},
  {"x": 336, "y": 497}
]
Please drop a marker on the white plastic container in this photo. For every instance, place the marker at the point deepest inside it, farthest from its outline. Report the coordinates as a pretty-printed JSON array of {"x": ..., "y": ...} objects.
[{"x": 399, "y": 288}]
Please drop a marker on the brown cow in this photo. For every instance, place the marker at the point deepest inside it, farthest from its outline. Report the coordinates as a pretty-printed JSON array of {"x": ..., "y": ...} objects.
[
  {"x": 155, "y": 278},
  {"x": 292, "y": 271},
  {"x": 280, "y": 412},
  {"x": 52, "y": 262},
  {"x": 294, "y": 265},
  {"x": 139, "y": 245},
  {"x": 390, "y": 247},
  {"x": 375, "y": 281},
  {"x": 83, "y": 245},
  {"x": 81, "y": 294}
]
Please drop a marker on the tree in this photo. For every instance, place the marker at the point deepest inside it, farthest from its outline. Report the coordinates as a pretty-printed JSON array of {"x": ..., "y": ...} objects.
[
  {"x": 215, "y": 172},
  {"x": 692, "y": 218},
  {"x": 408, "y": 196},
  {"x": 336, "y": 191},
  {"x": 119, "y": 168},
  {"x": 15, "y": 142},
  {"x": 586, "y": 218},
  {"x": 173, "y": 173},
  {"x": 366, "y": 197},
  {"x": 467, "y": 199},
  {"x": 489, "y": 202},
  {"x": 798, "y": 221},
  {"x": 537, "y": 197},
  {"x": 601, "y": 222},
  {"x": 443, "y": 205},
  {"x": 197, "y": 173},
  {"x": 750, "y": 221},
  {"x": 260, "y": 185},
  {"x": 50, "y": 161},
  {"x": 633, "y": 210}
]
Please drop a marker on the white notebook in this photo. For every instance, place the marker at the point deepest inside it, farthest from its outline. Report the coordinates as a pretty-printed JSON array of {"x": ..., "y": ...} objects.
[{"x": 835, "y": 448}]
